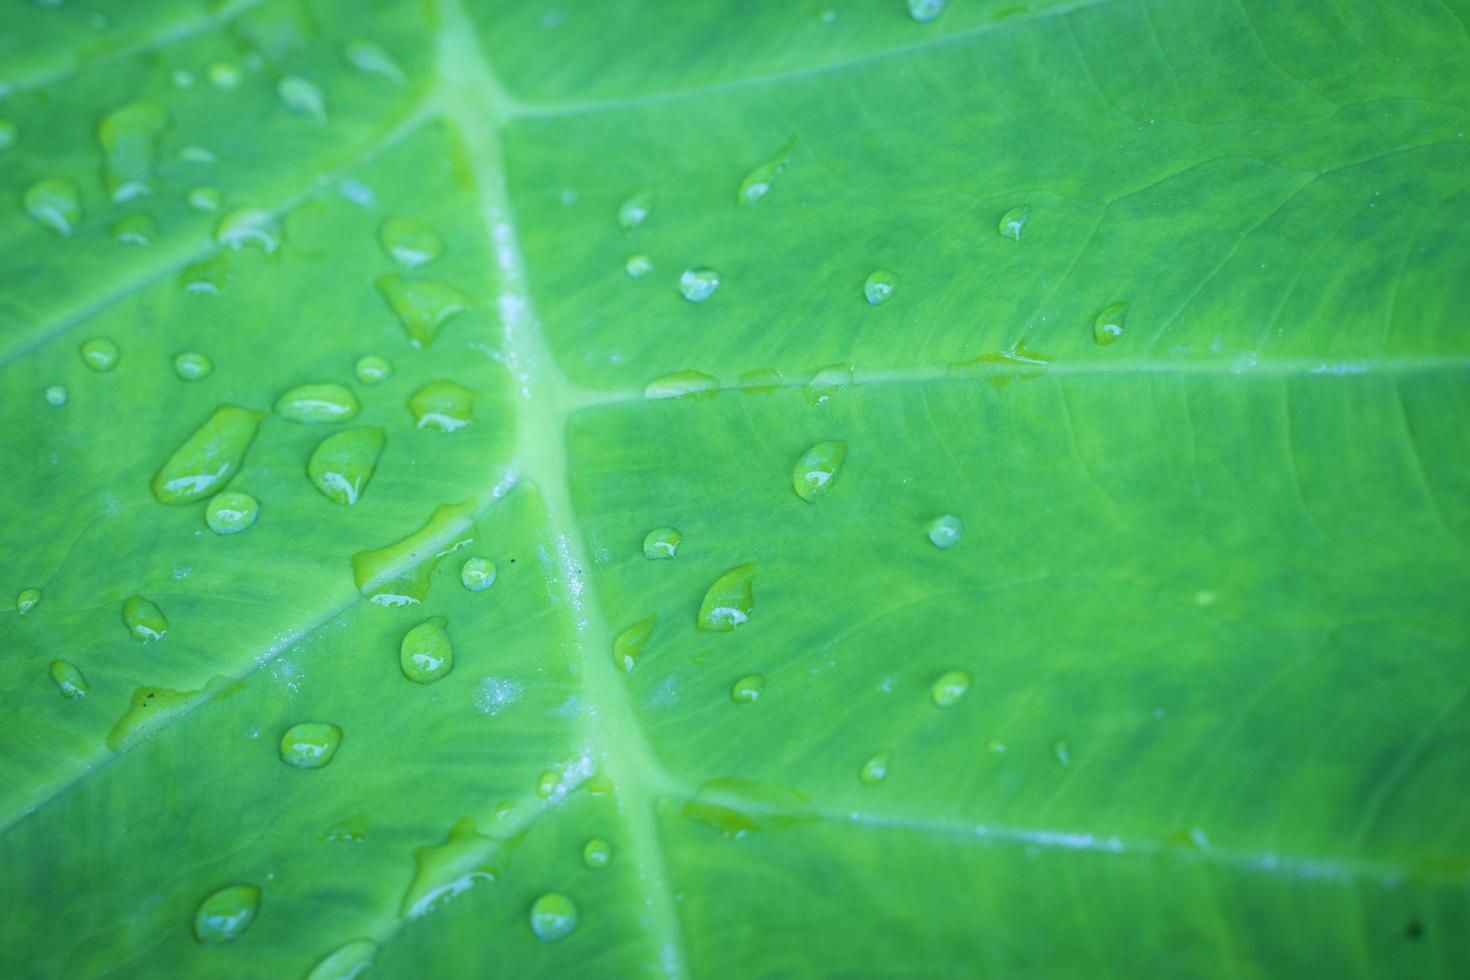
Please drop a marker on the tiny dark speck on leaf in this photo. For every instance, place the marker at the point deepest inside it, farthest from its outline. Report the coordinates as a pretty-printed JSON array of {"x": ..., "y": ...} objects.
[{"x": 1413, "y": 929}]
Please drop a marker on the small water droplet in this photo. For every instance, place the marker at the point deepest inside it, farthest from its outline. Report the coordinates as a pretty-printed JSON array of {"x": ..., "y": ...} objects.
[
  {"x": 698, "y": 285},
  {"x": 761, "y": 381},
  {"x": 757, "y": 184},
  {"x": 197, "y": 154},
  {"x": 69, "y": 680},
  {"x": 372, "y": 369},
  {"x": 879, "y": 286},
  {"x": 661, "y": 542},
  {"x": 944, "y": 531},
  {"x": 207, "y": 276},
  {"x": 100, "y": 354},
  {"x": 477, "y": 574},
  {"x": 638, "y": 266},
  {"x": 553, "y": 917},
  {"x": 8, "y": 134},
  {"x": 240, "y": 227},
  {"x": 204, "y": 199},
  {"x": 442, "y": 406},
  {"x": 135, "y": 229},
  {"x": 875, "y": 770},
  {"x": 317, "y": 403},
  {"x": 192, "y": 366},
  {"x": 1109, "y": 324},
  {"x": 1062, "y": 751},
  {"x": 425, "y": 653},
  {"x": 55, "y": 204},
  {"x": 817, "y": 469},
  {"x": 129, "y": 137},
  {"x": 56, "y": 395},
  {"x": 950, "y": 687},
  {"x": 347, "y": 962},
  {"x": 447, "y": 870},
  {"x": 223, "y": 916},
  {"x": 343, "y": 463},
  {"x": 26, "y": 600},
  {"x": 183, "y": 78},
  {"x": 925, "y": 11},
  {"x": 421, "y": 306},
  {"x": 635, "y": 210},
  {"x": 747, "y": 690},
  {"x": 728, "y": 602},
  {"x": 596, "y": 853},
  {"x": 302, "y": 96},
  {"x": 231, "y": 512},
  {"x": 144, "y": 620},
  {"x": 310, "y": 744},
  {"x": 353, "y": 830},
  {"x": 628, "y": 646},
  {"x": 208, "y": 458},
  {"x": 398, "y": 574},
  {"x": 682, "y": 384},
  {"x": 827, "y": 382},
  {"x": 370, "y": 59},
  {"x": 1013, "y": 221},
  {"x": 224, "y": 75},
  {"x": 409, "y": 242},
  {"x": 547, "y": 783}
]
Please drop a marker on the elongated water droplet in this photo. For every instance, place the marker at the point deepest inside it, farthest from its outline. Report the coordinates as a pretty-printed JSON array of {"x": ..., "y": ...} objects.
[
  {"x": 1109, "y": 324},
  {"x": 135, "y": 229},
  {"x": 343, "y": 463},
  {"x": 56, "y": 395},
  {"x": 628, "y": 646},
  {"x": 747, "y": 690},
  {"x": 661, "y": 542},
  {"x": 726, "y": 805},
  {"x": 425, "y": 653},
  {"x": 372, "y": 369},
  {"x": 683, "y": 384},
  {"x": 950, "y": 687},
  {"x": 26, "y": 600},
  {"x": 302, "y": 96},
  {"x": 761, "y": 381},
  {"x": 55, "y": 204},
  {"x": 477, "y": 574},
  {"x": 197, "y": 154},
  {"x": 596, "y": 853},
  {"x": 370, "y": 59},
  {"x": 875, "y": 770},
  {"x": 310, "y": 744},
  {"x": 925, "y": 11},
  {"x": 757, "y": 184},
  {"x": 353, "y": 830},
  {"x": 421, "y": 306},
  {"x": 698, "y": 285},
  {"x": 945, "y": 531},
  {"x": 1013, "y": 221},
  {"x": 638, "y": 266},
  {"x": 879, "y": 286},
  {"x": 817, "y": 469},
  {"x": 144, "y": 620},
  {"x": 208, "y": 458},
  {"x": 231, "y": 512},
  {"x": 152, "y": 708},
  {"x": 69, "y": 680},
  {"x": 1062, "y": 751},
  {"x": 100, "y": 353},
  {"x": 240, "y": 227},
  {"x": 446, "y": 870},
  {"x": 191, "y": 366},
  {"x": 553, "y": 917},
  {"x": 208, "y": 276},
  {"x": 204, "y": 199},
  {"x": 347, "y": 962},
  {"x": 442, "y": 406},
  {"x": 827, "y": 382},
  {"x": 728, "y": 601},
  {"x": 1000, "y": 368},
  {"x": 317, "y": 403},
  {"x": 223, "y": 916},
  {"x": 409, "y": 242},
  {"x": 129, "y": 138},
  {"x": 634, "y": 211},
  {"x": 398, "y": 574}
]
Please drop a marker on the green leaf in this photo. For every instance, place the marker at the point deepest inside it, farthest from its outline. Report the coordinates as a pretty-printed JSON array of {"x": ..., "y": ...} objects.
[{"x": 1124, "y": 634}]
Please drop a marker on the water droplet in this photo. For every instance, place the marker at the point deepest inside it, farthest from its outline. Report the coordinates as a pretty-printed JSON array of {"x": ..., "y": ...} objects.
[
  {"x": 925, "y": 11},
  {"x": 1109, "y": 324},
  {"x": 817, "y": 469},
  {"x": 223, "y": 916},
  {"x": 950, "y": 687},
  {"x": 553, "y": 916},
  {"x": 144, "y": 620},
  {"x": 302, "y": 96},
  {"x": 728, "y": 601},
  {"x": 879, "y": 286},
  {"x": 204, "y": 199},
  {"x": 100, "y": 353},
  {"x": 353, "y": 830},
  {"x": 317, "y": 403},
  {"x": 231, "y": 512},
  {"x": 726, "y": 806},
  {"x": 761, "y": 381},
  {"x": 682, "y": 384},
  {"x": 995, "y": 747},
  {"x": 638, "y": 266},
  {"x": 240, "y": 227},
  {"x": 310, "y": 744},
  {"x": 69, "y": 680},
  {"x": 944, "y": 531},
  {"x": 547, "y": 783},
  {"x": 875, "y": 770},
  {"x": 827, "y": 382},
  {"x": 372, "y": 369},
  {"x": 207, "y": 276},
  {"x": 1013, "y": 221},
  {"x": 183, "y": 78},
  {"x": 129, "y": 137},
  {"x": 197, "y": 154},
  {"x": 421, "y": 306},
  {"x": 596, "y": 853},
  {"x": 135, "y": 229},
  {"x": 1062, "y": 751},
  {"x": 757, "y": 183},
  {"x": 55, "y": 204},
  {"x": 477, "y": 574},
  {"x": 26, "y": 600},
  {"x": 747, "y": 690},
  {"x": 191, "y": 366},
  {"x": 370, "y": 59},
  {"x": 628, "y": 646},
  {"x": 343, "y": 463},
  {"x": 442, "y": 406},
  {"x": 409, "y": 242},
  {"x": 1000, "y": 368},
  {"x": 208, "y": 458},
  {"x": 347, "y": 962},
  {"x": 224, "y": 75},
  {"x": 449, "y": 869},
  {"x": 151, "y": 708},
  {"x": 698, "y": 285},
  {"x": 634, "y": 210},
  {"x": 425, "y": 653},
  {"x": 7, "y": 134},
  {"x": 398, "y": 574},
  {"x": 56, "y": 395},
  {"x": 661, "y": 542}
]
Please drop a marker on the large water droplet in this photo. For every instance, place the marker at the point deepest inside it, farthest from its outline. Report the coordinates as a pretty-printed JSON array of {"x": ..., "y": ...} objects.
[
  {"x": 310, "y": 744},
  {"x": 925, "y": 11},
  {"x": 661, "y": 542},
  {"x": 425, "y": 653},
  {"x": 683, "y": 384},
  {"x": 347, "y": 962},
  {"x": 757, "y": 184},
  {"x": 945, "y": 531},
  {"x": 231, "y": 512},
  {"x": 302, "y": 96},
  {"x": 152, "y": 708},
  {"x": 422, "y": 306},
  {"x": 135, "y": 229},
  {"x": 827, "y": 382},
  {"x": 56, "y": 395},
  {"x": 317, "y": 403},
  {"x": 698, "y": 285},
  {"x": 208, "y": 458},
  {"x": 144, "y": 620},
  {"x": 409, "y": 242},
  {"x": 442, "y": 406},
  {"x": 398, "y": 574},
  {"x": 596, "y": 853},
  {"x": 875, "y": 770},
  {"x": 638, "y": 266},
  {"x": 1013, "y": 221},
  {"x": 204, "y": 198},
  {"x": 879, "y": 286},
  {"x": 628, "y": 646},
  {"x": 191, "y": 366},
  {"x": 370, "y": 59},
  {"x": 26, "y": 600},
  {"x": 55, "y": 204},
  {"x": 553, "y": 916},
  {"x": 343, "y": 463},
  {"x": 446, "y": 870},
  {"x": 100, "y": 353},
  {"x": 223, "y": 916},
  {"x": 1109, "y": 324},
  {"x": 69, "y": 680},
  {"x": 817, "y": 469},
  {"x": 747, "y": 690},
  {"x": 950, "y": 687},
  {"x": 634, "y": 211},
  {"x": 477, "y": 574},
  {"x": 372, "y": 369},
  {"x": 129, "y": 138},
  {"x": 728, "y": 601},
  {"x": 240, "y": 227}
]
